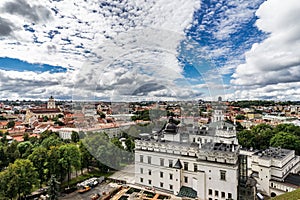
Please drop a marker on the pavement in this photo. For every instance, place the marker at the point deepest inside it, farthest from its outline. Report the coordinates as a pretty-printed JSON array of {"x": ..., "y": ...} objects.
[{"x": 100, "y": 189}]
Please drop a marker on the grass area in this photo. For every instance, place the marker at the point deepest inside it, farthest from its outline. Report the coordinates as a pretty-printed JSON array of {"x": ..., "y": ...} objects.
[
  {"x": 294, "y": 195},
  {"x": 80, "y": 178}
]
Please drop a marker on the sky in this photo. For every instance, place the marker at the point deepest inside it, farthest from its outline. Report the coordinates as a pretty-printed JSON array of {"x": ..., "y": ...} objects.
[{"x": 135, "y": 50}]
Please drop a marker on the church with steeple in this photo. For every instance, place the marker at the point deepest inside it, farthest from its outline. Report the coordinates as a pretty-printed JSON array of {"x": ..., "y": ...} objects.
[{"x": 38, "y": 114}]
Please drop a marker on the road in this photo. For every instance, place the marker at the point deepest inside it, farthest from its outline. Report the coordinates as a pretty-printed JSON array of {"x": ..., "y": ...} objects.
[{"x": 103, "y": 187}]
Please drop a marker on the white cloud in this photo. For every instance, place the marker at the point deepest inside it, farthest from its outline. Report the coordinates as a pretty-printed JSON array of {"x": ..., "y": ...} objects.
[
  {"x": 91, "y": 36},
  {"x": 275, "y": 61}
]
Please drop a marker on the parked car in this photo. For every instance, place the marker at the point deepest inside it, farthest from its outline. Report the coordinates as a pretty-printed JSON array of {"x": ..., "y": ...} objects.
[{"x": 84, "y": 189}]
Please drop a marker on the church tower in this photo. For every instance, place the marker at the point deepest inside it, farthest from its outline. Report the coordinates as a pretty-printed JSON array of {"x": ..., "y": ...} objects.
[{"x": 51, "y": 103}]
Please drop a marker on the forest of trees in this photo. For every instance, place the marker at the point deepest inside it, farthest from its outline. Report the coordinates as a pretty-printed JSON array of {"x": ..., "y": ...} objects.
[
  {"x": 34, "y": 163},
  {"x": 263, "y": 136}
]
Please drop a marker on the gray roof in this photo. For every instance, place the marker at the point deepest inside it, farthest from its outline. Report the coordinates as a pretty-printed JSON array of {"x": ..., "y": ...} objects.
[{"x": 178, "y": 165}]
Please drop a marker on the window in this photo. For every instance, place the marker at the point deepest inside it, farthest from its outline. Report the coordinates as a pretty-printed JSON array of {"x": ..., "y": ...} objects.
[
  {"x": 149, "y": 159},
  {"x": 142, "y": 170},
  {"x": 210, "y": 199},
  {"x": 170, "y": 163},
  {"x": 229, "y": 196},
  {"x": 161, "y": 184},
  {"x": 161, "y": 174},
  {"x": 195, "y": 167},
  {"x": 141, "y": 179},
  {"x": 162, "y": 162},
  {"x": 149, "y": 172},
  {"x": 216, "y": 193},
  {"x": 223, "y": 175},
  {"x": 186, "y": 166},
  {"x": 185, "y": 179},
  {"x": 149, "y": 182},
  {"x": 171, "y": 187},
  {"x": 209, "y": 191},
  {"x": 223, "y": 194},
  {"x": 141, "y": 158},
  {"x": 171, "y": 176}
]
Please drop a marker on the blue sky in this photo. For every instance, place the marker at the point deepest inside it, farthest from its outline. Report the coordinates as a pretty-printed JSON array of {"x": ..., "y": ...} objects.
[{"x": 164, "y": 49}]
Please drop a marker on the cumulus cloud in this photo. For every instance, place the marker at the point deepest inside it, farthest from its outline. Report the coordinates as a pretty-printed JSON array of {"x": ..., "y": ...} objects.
[
  {"x": 108, "y": 47},
  {"x": 35, "y": 13},
  {"x": 6, "y": 27},
  {"x": 275, "y": 62}
]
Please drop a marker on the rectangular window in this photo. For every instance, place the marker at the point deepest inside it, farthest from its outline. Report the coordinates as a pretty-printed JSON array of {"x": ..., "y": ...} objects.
[
  {"x": 142, "y": 170},
  {"x": 170, "y": 163},
  {"x": 161, "y": 174},
  {"x": 186, "y": 166},
  {"x": 223, "y": 194},
  {"x": 149, "y": 172},
  {"x": 185, "y": 179},
  {"x": 162, "y": 162},
  {"x": 141, "y": 179},
  {"x": 210, "y": 192},
  {"x": 195, "y": 167},
  {"x": 171, "y": 176},
  {"x": 216, "y": 193},
  {"x": 223, "y": 175},
  {"x": 149, "y": 159},
  {"x": 161, "y": 184},
  {"x": 171, "y": 187},
  {"x": 149, "y": 182},
  {"x": 141, "y": 158},
  {"x": 229, "y": 196}
]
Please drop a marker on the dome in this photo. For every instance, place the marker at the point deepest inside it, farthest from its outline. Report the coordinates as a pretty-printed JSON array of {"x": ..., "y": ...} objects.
[{"x": 171, "y": 127}]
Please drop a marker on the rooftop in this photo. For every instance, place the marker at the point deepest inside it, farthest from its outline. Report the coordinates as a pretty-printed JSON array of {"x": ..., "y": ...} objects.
[{"x": 273, "y": 152}]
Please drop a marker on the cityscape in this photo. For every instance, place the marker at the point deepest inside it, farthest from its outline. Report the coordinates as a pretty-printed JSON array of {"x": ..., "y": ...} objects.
[{"x": 149, "y": 99}]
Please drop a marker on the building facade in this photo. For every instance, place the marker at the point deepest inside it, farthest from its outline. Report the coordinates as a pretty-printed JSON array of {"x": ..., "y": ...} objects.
[
  {"x": 190, "y": 164},
  {"x": 206, "y": 162}
]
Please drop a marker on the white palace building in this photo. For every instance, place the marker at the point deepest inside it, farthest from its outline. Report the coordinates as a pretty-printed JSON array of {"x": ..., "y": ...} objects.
[{"x": 206, "y": 163}]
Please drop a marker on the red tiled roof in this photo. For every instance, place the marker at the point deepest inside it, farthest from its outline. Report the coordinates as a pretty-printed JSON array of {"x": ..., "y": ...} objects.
[{"x": 55, "y": 110}]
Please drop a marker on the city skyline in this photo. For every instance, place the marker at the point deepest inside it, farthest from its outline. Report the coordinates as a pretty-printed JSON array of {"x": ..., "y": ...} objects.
[{"x": 148, "y": 50}]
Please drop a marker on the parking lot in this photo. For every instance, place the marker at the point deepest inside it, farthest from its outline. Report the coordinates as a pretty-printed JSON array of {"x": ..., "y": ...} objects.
[{"x": 100, "y": 189}]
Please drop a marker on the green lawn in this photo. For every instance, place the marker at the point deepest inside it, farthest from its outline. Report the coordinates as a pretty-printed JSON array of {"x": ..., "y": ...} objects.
[{"x": 295, "y": 195}]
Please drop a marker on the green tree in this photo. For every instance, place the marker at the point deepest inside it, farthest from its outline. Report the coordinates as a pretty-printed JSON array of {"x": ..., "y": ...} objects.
[
  {"x": 53, "y": 167},
  {"x": 75, "y": 137},
  {"x": 116, "y": 142},
  {"x": 7, "y": 188},
  {"x": 24, "y": 149},
  {"x": 45, "y": 118},
  {"x": 286, "y": 140},
  {"x": 12, "y": 152},
  {"x": 129, "y": 142},
  {"x": 246, "y": 138},
  {"x": 23, "y": 177},
  {"x": 86, "y": 157},
  {"x": 240, "y": 117},
  {"x": 53, "y": 140},
  {"x": 3, "y": 157},
  {"x": 39, "y": 158},
  {"x": 53, "y": 188},
  {"x": 26, "y": 137},
  {"x": 69, "y": 157},
  {"x": 10, "y": 124}
]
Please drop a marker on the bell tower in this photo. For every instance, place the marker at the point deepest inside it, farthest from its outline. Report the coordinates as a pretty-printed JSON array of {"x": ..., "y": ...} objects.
[{"x": 51, "y": 103}]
